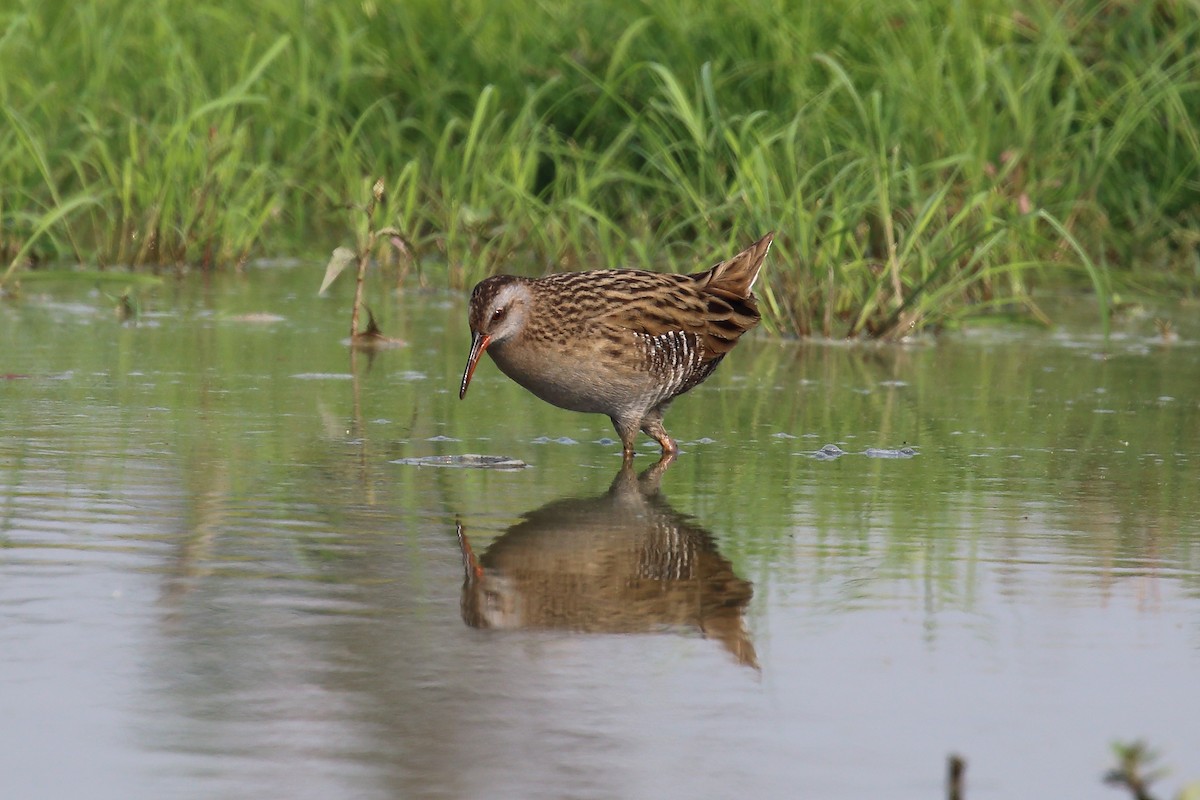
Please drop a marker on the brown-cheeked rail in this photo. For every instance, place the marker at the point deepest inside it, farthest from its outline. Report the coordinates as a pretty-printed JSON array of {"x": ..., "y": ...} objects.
[{"x": 619, "y": 342}]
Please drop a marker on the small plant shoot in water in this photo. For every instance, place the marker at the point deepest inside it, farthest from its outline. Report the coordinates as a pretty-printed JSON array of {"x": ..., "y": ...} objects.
[{"x": 372, "y": 337}]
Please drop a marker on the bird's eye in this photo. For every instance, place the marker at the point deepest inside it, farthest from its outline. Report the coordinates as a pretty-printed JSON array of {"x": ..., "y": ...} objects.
[{"x": 499, "y": 314}]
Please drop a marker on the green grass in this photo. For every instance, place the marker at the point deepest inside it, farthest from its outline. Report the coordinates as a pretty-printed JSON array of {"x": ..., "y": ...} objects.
[{"x": 924, "y": 163}]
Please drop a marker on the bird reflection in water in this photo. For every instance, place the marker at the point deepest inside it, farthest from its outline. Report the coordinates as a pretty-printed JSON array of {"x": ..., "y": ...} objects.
[{"x": 622, "y": 562}]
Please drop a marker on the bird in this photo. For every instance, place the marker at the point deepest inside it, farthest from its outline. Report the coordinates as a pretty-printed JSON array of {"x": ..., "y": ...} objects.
[{"x": 618, "y": 342}]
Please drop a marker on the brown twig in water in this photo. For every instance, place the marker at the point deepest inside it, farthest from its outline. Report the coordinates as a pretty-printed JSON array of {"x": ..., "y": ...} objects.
[{"x": 956, "y": 770}]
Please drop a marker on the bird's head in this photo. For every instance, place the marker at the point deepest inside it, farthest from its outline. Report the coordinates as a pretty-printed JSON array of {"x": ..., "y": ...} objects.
[{"x": 499, "y": 308}]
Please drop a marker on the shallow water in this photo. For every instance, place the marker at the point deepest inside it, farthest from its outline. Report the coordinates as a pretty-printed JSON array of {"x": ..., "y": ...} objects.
[{"x": 221, "y": 575}]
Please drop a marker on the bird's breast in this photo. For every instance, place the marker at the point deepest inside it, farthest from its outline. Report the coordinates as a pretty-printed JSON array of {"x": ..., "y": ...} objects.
[
  {"x": 565, "y": 376},
  {"x": 608, "y": 371}
]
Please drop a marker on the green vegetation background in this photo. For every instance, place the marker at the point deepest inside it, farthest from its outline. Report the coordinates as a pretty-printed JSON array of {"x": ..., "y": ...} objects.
[{"x": 923, "y": 162}]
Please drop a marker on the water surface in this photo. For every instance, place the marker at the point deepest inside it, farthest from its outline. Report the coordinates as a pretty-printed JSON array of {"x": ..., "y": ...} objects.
[{"x": 219, "y": 579}]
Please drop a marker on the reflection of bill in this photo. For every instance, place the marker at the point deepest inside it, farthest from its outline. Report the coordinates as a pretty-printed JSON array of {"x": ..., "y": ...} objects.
[{"x": 623, "y": 562}]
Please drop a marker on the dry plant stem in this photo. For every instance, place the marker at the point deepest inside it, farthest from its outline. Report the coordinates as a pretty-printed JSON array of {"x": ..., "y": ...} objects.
[
  {"x": 956, "y": 770},
  {"x": 364, "y": 255},
  {"x": 365, "y": 249},
  {"x": 358, "y": 292}
]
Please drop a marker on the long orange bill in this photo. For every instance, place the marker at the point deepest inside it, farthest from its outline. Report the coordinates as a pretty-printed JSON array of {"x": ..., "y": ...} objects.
[{"x": 479, "y": 343}]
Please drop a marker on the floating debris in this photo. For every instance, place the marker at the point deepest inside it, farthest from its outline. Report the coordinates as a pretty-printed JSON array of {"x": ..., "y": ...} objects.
[
  {"x": 831, "y": 451},
  {"x": 373, "y": 341},
  {"x": 467, "y": 461},
  {"x": 903, "y": 452}
]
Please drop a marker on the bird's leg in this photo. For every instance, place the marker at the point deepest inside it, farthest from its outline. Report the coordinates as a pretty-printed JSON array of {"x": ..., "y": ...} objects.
[
  {"x": 627, "y": 429},
  {"x": 652, "y": 426}
]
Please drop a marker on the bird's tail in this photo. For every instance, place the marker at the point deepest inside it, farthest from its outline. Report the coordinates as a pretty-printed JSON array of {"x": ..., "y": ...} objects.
[{"x": 737, "y": 275}]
